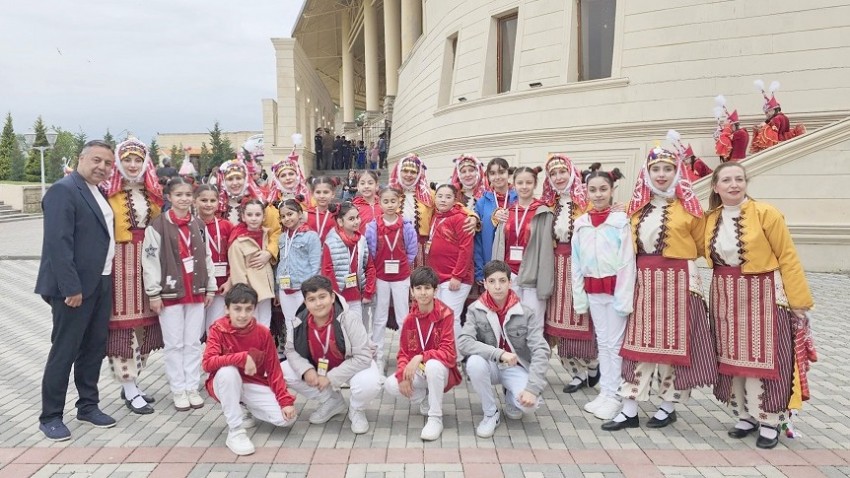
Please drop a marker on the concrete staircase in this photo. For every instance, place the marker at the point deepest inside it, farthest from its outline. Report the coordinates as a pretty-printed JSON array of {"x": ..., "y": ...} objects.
[{"x": 7, "y": 214}]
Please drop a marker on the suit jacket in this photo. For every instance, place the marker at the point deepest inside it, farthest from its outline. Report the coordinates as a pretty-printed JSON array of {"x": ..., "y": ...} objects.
[{"x": 76, "y": 240}]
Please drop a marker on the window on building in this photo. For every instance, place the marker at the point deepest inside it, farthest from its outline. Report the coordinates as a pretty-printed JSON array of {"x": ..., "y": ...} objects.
[
  {"x": 595, "y": 38},
  {"x": 505, "y": 48},
  {"x": 447, "y": 74}
]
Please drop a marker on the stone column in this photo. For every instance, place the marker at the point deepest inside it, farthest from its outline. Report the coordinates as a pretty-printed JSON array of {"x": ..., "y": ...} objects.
[
  {"x": 392, "y": 43},
  {"x": 411, "y": 25},
  {"x": 347, "y": 70},
  {"x": 370, "y": 42}
]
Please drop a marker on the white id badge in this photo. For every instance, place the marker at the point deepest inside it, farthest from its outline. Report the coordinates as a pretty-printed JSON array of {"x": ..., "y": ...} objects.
[
  {"x": 391, "y": 267},
  {"x": 516, "y": 253},
  {"x": 189, "y": 265},
  {"x": 221, "y": 269},
  {"x": 323, "y": 367},
  {"x": 285, "y": 282},
  {"x": 428, "y": 247},
  {"x": 421, "y": 370},
  {"x": 351, "y": 280}
]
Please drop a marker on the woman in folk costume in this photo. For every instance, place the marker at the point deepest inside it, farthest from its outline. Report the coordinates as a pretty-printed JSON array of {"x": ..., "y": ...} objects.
[
  {"x": 730, "y": 139},
  {"x": 236, "y": 188},
  {"x": 469, "y": 179},
  {"x": 759, "y": 299},
  {"x": 565, "y": 194},
  {"x": 135, "y": 196},
  {"x": 417, "y": 204},
  {"x": 668, "y": 337},
  {"x": 287, "y": 182},
  {"x": 776, "y": 125}
]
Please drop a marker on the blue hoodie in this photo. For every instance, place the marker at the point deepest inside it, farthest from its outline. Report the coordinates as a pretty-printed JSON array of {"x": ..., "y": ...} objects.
[{"x": 484, "y": 208}]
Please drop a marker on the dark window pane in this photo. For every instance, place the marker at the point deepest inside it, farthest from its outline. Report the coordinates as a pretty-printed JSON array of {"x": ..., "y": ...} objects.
[
  {"x": 596, "y": 38},
  {"x": 506, "y": 48}
]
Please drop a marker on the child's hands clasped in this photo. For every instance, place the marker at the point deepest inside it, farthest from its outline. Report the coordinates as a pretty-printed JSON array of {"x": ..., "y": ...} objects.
[{"x": 250, "y": 366}]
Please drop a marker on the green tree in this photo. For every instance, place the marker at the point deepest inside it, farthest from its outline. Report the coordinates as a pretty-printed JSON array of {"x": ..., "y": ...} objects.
[
  {"x": 64, "y": 147},
  {"x": 19, "y": 160},
  {"x": 108, "y": 138},
  {"x": 154, "y": 152},
  {"x": 32, "y": 170},
  {"x": 80, "y": 141},
  {"x": 176, "y": 156},
  {"x": 222, "y": 150},
  {"x": 8, "y": 143},
  {"x": 204, "y": 160}
]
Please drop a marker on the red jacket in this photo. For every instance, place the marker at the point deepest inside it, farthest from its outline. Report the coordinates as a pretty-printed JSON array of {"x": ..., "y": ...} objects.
[
  {"x": 316, "y": 220},
  {"x": 451, "y": 248},
  {"x": 368, "y": 212},
  {"x": 439, "y": 346},
  {"x": 782, "y": 125},
  {"x": 219, "y": 244},
  {"x": 351, "y": 293},
  {"x": 740, "y": 139},
  {"x": 227, "y": 346}
]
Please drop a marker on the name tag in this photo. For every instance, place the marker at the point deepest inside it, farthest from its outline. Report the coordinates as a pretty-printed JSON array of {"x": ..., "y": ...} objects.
[
  {"x": 351, "y": 280},
  {"x": 323, "y": 367},
  {"x": 285, "y": 282},
  {"x": 516, "y": 254},
  {"x": 391, "y": 267},
  {"x": 220, "y": 269},
  {"x": 189, "y": 265},
  {"x": 428, "y": 247},
  {"x": 421, "y": 371}
]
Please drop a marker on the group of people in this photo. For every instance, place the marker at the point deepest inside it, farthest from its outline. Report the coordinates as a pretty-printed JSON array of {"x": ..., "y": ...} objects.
[
  {"x": 342, "y": 153},
  {"x": 480, "y": 273}
]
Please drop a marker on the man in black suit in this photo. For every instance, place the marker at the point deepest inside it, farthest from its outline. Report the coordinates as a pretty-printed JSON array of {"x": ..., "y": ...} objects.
[{"x": 75, "y": 278}]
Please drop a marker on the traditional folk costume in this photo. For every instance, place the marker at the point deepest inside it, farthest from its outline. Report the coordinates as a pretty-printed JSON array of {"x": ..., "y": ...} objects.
[
  {"x": 277, "y": 191},
  {"x": 757, "y": 281},
  {"x": 134, "y": 329},
  {"x": 571, "y": 332},
  {"x": 668, "y": 337},
  {"x": 469, "y": 194},
  {"x": 229, "y": 205},
  {"x": 777, "y": 128},
  {"x": 417, "y": 205},
  {"x": 730, "y": 139},
  {"x": 696, "y": 166}
]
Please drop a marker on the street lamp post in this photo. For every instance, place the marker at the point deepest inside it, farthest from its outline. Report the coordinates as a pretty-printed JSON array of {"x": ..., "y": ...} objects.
[{"x": 51, "y": 139}]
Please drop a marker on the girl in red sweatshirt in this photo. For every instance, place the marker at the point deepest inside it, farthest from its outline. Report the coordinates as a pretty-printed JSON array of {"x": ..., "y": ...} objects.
[
  {"x": 449, "y": 251},
  {"x": 346, "y": 260},
  {"x": 318, "y": 217},
  {"x": 366, "y": 200},
  {"x": 393, "y": 245},
  {"x": 218, "y": 233}
]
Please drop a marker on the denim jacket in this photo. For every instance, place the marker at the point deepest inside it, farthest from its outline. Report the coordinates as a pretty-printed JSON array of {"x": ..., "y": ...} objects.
[{"x": 304, "y": 259}]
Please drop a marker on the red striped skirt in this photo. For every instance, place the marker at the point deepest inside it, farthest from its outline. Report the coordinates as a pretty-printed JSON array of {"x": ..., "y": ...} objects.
[
  {"x": 754, "y": 333},
  {"x": 572, "y": 332}
]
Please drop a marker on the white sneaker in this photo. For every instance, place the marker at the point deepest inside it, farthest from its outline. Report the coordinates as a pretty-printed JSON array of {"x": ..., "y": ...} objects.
[
  {"x": 488, "y": 425},
  {"x": 195, "y": 399},
  {"x": 512, "y": 411},
  {"x": 239, "y": 443},
  {"x": 591, "y": 406},
  {"x": 608, "y": 409},
  {"x": 359, "y": 423},
  {"x": 248, "y": 420},
  {"x": 331, "y": 407},
  {"x": 424, "y": 407},
  {"x": 432, "y": 429},
  {"x": 181, "y": 401}
]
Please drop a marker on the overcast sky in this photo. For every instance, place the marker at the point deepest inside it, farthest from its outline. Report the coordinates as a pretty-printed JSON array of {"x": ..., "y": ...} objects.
[{"x": 147, "y": 66}]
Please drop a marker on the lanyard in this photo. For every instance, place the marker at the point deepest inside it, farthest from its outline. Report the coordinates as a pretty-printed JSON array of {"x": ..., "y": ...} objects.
[
  {"x": 393, "y": 244},
  {"x": 434, "y": 225},
  {"x": 521, "y": 221},
  {"x": 421, "y": 342},
  {"x": 287, "y": 244},
  {"x": 327, "y": 343},
  {"x": 187, "y": 239},
  {"x": 507, "y": 194},
  {"x": 321, "y": 229},
  {"x": 351, "y": 259},
  {"x": 217, "y": 246}
]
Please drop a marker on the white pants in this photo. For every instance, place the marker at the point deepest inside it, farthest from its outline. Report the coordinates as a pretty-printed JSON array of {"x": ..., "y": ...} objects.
[
  {"x": 214, "y": 312},
  {"x": 528, "y": 297},
  {"x": 182, "y": 326},
  {"x": 263, "y": 312},
  {"x": 355, "y": 307},
  {"x": 483, "y": 374},
  {"x": 260, "y": 400},
  {"x": 400, "y": 292},
  {"x": 365, "y": 386},
  {"x": 368, "y": 315},
  {"x": 610, "y": 330},
  {"x": 455, "y": 300},
  {"x": 289, "y": 304},
  {"x": 432, "y": 385}
]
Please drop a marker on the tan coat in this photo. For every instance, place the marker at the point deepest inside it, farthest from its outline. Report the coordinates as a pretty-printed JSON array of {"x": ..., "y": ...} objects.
[{"x": 261, "y": 280}]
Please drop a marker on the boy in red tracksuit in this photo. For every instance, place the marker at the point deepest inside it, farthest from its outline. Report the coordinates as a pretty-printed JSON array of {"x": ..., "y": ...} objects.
[
  {"x": 243, "y": 364},
  {"x": 427, "y": 356}
]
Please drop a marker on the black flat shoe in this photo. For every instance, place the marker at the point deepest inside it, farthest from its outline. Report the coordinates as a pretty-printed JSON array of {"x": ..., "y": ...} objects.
[
  {"x": 767, "y": 443},
  {"x": 146, "y": 409},
  {"x": 656, "y": 423},
  {"x": 740, "y": 433},
  {"x": 592, "y": 380},
  {"x": 570, "y": 388},
  {"x": 629, "y": 422},
  {"x": 146, "y": 398}
]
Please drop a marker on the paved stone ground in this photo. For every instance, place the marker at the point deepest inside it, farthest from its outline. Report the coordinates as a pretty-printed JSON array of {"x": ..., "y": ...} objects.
[{"x": 560, "y": 440}]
